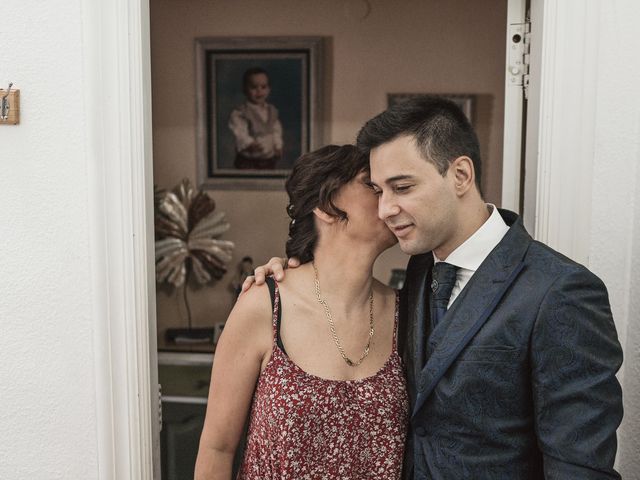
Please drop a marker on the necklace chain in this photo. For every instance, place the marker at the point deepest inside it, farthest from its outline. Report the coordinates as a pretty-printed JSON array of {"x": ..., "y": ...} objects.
[{"x": 332, "y": 327}]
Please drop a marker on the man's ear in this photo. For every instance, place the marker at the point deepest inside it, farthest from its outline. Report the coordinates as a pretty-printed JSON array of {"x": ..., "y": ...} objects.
[
  {"x": 464, "y": 175},
  {"x": 324, "y": 216}
]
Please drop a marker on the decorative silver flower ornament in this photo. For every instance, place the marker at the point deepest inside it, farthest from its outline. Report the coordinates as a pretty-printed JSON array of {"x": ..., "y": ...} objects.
[{"x": 187, "y": 230}]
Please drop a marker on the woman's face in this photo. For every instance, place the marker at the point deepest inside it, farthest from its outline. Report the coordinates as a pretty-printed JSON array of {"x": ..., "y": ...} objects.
[{"x": 358, "y": 200}]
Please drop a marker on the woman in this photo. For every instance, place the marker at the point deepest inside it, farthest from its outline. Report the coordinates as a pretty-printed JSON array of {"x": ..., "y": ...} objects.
[{"x": 319, "y": 348}]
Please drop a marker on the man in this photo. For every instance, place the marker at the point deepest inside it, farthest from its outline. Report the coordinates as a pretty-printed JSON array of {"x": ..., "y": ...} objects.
[{"x": 510, "y": 347}]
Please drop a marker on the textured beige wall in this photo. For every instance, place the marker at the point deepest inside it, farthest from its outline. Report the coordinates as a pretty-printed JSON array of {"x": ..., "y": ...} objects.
[{"x": 437, "y": 46}]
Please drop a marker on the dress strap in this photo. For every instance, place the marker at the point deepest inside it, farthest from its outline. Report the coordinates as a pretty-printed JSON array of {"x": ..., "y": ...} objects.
[
  {"x": 274, "y": 292},
  {"x": 395, "y": 322}
]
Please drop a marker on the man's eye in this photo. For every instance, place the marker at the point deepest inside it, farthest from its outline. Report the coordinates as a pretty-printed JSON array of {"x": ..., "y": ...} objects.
[{"x": 402, "y": 188}]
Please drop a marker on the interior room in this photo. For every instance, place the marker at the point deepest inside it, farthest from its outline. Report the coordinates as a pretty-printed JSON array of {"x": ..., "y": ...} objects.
[
  {"x": 427, "y": 47},
  {"x": 370, "y": 49}
]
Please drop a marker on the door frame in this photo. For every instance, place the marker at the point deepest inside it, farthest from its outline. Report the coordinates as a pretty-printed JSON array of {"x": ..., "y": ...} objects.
[
  {"x": 117, "y": 72},
  {"x": 514, "y": 114},
  {"x": 561, "y": 123},
  {"x": 117, "y": 76}
]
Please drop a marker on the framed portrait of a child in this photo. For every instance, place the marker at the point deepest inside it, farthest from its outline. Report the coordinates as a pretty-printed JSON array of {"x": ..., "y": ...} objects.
[{"x": 259, "y": 105}]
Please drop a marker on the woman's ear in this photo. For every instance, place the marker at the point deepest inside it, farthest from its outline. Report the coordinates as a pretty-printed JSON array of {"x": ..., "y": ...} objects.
[
  {"x": 323, "y": 216},
  {"x": 464, "y": 176}
]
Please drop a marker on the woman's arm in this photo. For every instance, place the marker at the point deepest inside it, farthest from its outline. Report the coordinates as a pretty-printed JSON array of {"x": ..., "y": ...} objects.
[{"x": 244, "y": 347}]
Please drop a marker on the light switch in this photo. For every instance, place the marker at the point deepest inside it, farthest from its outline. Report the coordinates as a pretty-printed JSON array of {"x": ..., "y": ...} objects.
[{"x": 9, "y": 107}]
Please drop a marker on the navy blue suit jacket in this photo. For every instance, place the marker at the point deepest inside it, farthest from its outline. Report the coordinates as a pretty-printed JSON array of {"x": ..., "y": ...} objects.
[{"x": 519, "y": 381}]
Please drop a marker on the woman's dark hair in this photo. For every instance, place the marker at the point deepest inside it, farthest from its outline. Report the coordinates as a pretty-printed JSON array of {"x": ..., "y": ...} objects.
[{"x": 313, "y": 182}]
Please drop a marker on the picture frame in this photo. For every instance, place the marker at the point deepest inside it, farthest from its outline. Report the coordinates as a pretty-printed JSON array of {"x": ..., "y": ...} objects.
[
  {"x": 246, "y": 139},
  {"x": 466, "y": 102}
]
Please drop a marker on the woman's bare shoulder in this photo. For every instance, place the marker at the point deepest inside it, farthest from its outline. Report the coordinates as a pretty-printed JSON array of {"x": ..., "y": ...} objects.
[
  {"x": 252, "y": 314},
  {"x": 254, "y": 300},
  {"x": 294, "y": 280}
]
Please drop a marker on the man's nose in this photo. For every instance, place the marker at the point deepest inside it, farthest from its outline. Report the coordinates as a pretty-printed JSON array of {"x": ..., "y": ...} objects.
[{"x": 387, "y": 208}]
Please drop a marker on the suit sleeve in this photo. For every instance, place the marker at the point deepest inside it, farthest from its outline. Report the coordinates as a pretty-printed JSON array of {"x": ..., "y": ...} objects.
[{"x": 575, "y": 355}]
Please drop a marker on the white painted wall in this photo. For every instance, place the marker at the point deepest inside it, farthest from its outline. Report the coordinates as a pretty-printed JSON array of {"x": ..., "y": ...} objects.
[
  {"x": 587, "y": 152},
  {"x": 614, "y": 242},
  {"x": 77, "y": 367},
  {"x": 47, "y": 388}
]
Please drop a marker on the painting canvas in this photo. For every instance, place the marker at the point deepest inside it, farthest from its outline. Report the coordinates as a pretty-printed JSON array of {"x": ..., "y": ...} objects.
[{"x": 259, "y": 108}]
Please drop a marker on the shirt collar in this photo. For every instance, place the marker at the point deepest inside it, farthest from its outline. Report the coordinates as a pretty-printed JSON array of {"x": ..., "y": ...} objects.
[{"x": 478, "y": 246}]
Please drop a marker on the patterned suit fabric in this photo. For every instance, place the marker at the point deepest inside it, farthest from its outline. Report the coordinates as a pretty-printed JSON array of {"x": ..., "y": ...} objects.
[{"x": 519, "y": 380}]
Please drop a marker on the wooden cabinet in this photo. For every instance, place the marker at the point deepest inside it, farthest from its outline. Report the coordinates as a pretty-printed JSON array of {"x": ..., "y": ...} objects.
[{"x": 184, "y": 378}]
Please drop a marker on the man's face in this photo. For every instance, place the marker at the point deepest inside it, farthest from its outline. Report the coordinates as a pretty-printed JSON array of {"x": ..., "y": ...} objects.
[{"x": 419, "y": 205}]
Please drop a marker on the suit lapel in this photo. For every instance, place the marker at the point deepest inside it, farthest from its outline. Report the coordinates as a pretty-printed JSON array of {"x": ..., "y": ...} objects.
[
  {"x": 417, "y": 328},
  {"x": 420, "y": 313},
  {"x": 471, "y": 309}
]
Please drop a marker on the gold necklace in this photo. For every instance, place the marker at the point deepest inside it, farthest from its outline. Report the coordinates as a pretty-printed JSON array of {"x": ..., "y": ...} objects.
[{"x": 327, "y": 312}]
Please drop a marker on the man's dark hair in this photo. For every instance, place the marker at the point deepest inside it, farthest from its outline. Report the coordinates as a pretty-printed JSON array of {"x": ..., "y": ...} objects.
[
  {"x": 313, "y": 182},
  {"x": 441, "y": 130},
  {"x": 250, "y": 72}
]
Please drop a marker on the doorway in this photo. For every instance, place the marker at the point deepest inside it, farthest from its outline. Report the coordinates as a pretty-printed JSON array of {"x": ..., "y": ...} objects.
[{"x": 373, "y": 49}]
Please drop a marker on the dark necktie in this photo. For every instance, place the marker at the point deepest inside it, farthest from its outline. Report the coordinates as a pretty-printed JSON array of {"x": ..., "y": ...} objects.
[{"x": 443, "y": 279}]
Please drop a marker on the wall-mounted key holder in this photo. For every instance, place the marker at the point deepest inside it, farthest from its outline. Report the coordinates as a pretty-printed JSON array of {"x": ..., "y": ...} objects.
[{"x": 9, "y": 106}]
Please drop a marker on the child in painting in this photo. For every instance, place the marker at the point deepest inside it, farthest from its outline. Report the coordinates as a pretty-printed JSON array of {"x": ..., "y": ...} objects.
[{"x": 255, "y": 124}]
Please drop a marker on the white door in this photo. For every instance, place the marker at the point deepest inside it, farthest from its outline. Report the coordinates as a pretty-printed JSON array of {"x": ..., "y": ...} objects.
[{"x": 515, "y": 103}]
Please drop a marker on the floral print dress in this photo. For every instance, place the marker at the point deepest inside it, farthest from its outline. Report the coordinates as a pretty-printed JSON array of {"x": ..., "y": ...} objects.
[{"x": 307, "y": 427}]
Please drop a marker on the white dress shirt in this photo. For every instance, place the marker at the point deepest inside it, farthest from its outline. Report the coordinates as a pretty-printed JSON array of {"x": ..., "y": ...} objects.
[{"x": 473, "y": 251}]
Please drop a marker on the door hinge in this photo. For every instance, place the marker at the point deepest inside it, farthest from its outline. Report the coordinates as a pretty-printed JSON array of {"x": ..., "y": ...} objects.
[
  {"x": 519, "y": 51},
  {"x": 159, "y": 407}
]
